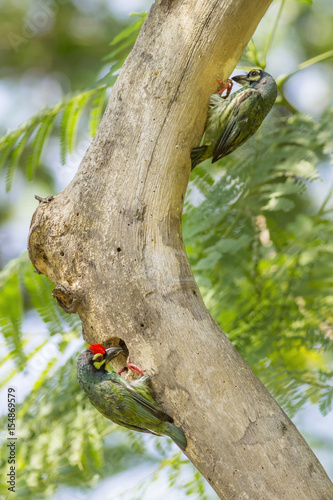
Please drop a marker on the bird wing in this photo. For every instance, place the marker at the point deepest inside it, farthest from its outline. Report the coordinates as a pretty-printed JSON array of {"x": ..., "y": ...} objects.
[
  {"x": 237, "y": 130},
  {"x": 136, "y": 428},
  {"x": 147, "y": 405},
  {"x": 143, "y": 405}
]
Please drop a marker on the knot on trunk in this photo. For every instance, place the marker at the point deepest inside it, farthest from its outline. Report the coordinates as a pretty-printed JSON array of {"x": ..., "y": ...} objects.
[{"x": 66, "y": 299}]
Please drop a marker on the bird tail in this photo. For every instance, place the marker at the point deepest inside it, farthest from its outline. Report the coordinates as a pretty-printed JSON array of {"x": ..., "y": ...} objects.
[
  {"x": 177, "y": 436},
  {"x": 196, "y": 154}
]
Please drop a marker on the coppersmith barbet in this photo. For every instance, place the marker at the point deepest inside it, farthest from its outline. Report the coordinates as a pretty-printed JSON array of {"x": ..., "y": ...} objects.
[
  {"x": 231, "y": 121},
  {"x": 130, "y": 404}
]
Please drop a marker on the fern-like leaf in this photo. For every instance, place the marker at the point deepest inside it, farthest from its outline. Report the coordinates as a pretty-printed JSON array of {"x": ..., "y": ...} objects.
[
  {"x": 129, "y": 30},
  {"x": 39, "y": 141},
  {"x": 16, "y": 155},
  {"x": 126, "y": 44},
  {"x": 96, "y": 112},
  {"x": 7, "y": 145},
  {"x": 14, "y": 143},
  {"x": 11, "y": 312},
  {"x": 70, "y": 122}
]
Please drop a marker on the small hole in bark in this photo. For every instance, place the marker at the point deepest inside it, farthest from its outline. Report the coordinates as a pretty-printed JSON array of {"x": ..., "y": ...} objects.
[
  {"x": 120, "y": 361},
  {"x": 77, "y": 214},
  {"x": 62, "y": 253},
  {"x": 116, "y": 341},
  {"x": 194, "y": 292},
  {"x": 118, "y": 249},
  {"x": 142, "y": 325}
]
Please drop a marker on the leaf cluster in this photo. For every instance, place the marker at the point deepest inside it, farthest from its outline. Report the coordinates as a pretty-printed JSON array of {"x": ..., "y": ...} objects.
[
  {"x": 60, "y": 434},
  {"x": 24, "y": 146},
  {"x": 262, "y": 256},
  {"x": 63, "y": 436},
  {"x": 263, "y": 259}
]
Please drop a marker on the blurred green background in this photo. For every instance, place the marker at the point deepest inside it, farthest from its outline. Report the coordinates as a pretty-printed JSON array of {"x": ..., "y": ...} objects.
[{"x": 262, "y": 256}]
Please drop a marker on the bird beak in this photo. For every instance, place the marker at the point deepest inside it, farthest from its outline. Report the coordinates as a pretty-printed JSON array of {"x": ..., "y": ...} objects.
[
  {"x": 241, "y": 79},
  {"x": 111, "y": 353}
]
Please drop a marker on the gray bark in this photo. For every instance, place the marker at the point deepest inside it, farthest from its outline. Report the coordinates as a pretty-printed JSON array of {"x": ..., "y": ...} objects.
[{"x": 112, "y": 244}]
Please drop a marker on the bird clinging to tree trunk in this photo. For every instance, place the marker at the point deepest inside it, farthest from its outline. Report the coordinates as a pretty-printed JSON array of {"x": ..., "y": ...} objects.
[
  {"x": 130, "y": 404},
  {"x": 232, "y": 120}
]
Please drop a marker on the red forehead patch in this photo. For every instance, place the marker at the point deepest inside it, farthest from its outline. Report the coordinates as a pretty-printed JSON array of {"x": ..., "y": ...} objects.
[{"x": 97, "y": 348}]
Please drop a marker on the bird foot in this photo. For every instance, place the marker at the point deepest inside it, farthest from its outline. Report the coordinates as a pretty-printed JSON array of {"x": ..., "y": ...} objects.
[
  {"x": 224, "y": 86},
  {"x": 131, "y": 366}
]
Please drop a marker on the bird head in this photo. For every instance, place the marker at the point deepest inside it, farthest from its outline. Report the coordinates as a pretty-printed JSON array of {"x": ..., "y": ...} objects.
[
  {"x": 253, "y": 77},
  {"x": 101, "y": 356}
]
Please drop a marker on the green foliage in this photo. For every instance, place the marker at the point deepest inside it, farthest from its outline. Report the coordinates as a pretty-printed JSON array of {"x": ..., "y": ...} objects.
[
  {"x": 24, "y": 146},
  {"x": 19, "y": 284},
  {"x": 11, "y": 309},
  {"x": 179, "y": 474},
  {"x": 62, "y": 436},
  {"x": 60, "y": 433},
  {"x": 262, "y": 256},
  {"x": 264, "y": 262},
  {"x": 122, "y": 44}
]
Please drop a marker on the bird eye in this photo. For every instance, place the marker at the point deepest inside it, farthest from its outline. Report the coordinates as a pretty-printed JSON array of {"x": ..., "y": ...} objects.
[{"x": 254, "y": 73}]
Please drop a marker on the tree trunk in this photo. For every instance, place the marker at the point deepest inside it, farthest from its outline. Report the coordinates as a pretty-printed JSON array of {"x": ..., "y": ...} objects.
[{"x": 112, "y": 244}]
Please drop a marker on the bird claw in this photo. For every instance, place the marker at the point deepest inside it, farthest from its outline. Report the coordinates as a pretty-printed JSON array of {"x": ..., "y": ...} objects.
[
  {"x": 131, "y": 366},
  {"x": 224, "y": 86}
]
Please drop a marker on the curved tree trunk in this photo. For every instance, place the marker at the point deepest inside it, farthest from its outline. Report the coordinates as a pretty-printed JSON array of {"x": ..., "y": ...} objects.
[{"x": 112, "y": 244}]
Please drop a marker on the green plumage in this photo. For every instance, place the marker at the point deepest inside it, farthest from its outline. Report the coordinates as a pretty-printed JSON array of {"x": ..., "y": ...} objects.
[
  {"x": 130, "y": 404},
  {"x": 232, "y": 121}
]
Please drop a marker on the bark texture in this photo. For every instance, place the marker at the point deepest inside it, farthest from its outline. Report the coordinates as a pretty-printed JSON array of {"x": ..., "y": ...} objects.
[{"x": 111, "y": 242}]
